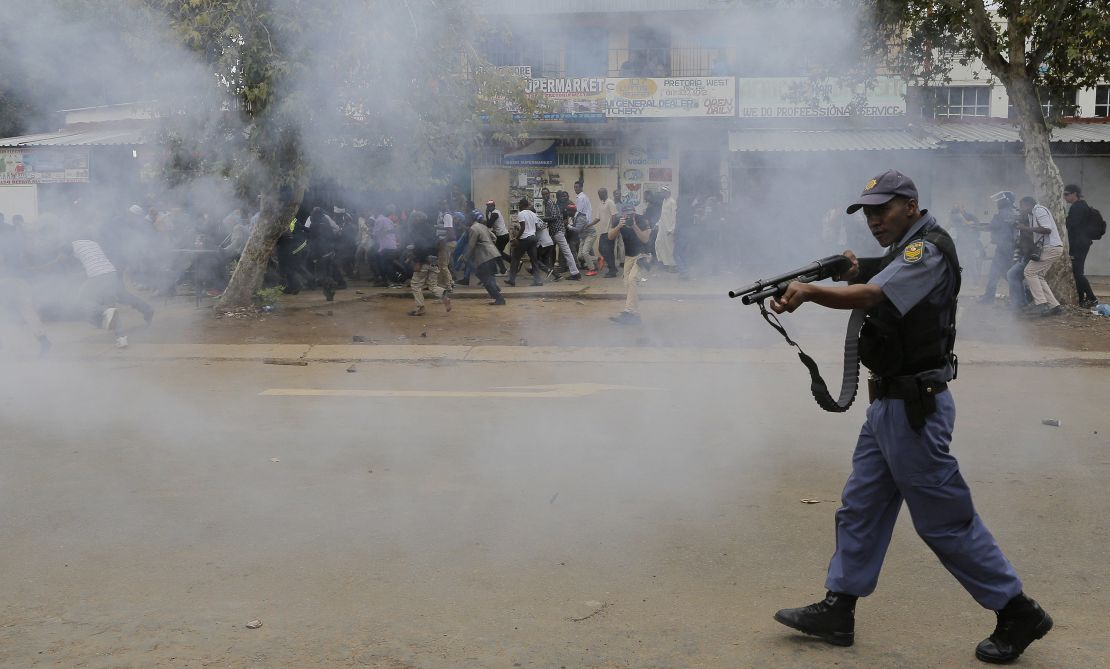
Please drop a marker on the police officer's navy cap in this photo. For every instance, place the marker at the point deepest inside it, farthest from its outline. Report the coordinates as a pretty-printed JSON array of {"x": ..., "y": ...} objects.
[{"x": 883, "y": 189}]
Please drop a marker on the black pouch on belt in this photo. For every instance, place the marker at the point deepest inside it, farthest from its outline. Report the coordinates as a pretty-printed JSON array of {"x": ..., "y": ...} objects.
[{"x": 924, "y": 404}]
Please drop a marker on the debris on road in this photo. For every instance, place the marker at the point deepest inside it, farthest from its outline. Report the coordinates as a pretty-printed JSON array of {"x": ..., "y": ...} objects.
[
  {"x": 1051, "y": 421},
  {"x": 254, "y": 624},
  {"x": 358, "y": 292},
  {"x": 274, "y": 460},
  {"x": 598, "y": 608},
  {"x": 359, "y": 339},
  {"x": 284, "y": 361},
  {"x": 810, "y": 501},
  {"x": 580, "y": 302},
  {"x": 352, "y": 369}
]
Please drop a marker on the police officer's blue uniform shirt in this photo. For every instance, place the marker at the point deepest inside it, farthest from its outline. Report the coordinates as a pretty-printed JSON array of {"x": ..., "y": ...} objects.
[{"x": 919, "y": 272}]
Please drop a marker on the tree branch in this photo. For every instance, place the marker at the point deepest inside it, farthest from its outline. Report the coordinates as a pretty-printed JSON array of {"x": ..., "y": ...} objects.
[
  {"x": 986, "y": 38},
  {"x": 1047, "y": 38}
]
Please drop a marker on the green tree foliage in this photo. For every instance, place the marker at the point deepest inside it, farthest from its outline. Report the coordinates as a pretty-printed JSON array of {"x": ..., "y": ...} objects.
[{"x": 1037, "y": 49}]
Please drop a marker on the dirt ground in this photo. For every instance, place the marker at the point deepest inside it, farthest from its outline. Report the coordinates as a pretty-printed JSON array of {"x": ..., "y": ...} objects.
[
  {"x": 568, "y": 321},
  {"x": 673, "y": 316}
]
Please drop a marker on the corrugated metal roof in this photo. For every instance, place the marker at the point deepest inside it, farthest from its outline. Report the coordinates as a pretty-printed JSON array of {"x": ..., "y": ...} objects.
[
  {"x": 101, "y": 137},
  {"x": 827, "y": 140},
  {"x": 1002, "y": 132}
]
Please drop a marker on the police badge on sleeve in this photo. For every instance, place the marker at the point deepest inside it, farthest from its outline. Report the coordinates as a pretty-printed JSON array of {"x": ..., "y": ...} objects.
[{"x": 914, "y": 252}]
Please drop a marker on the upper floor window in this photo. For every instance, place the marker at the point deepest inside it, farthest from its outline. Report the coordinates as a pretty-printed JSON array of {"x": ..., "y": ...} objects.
[
  {"x": 1052, "y": 106},
  {"x": 1102, "y": 101},
  {"x": 956, "y": 102}
]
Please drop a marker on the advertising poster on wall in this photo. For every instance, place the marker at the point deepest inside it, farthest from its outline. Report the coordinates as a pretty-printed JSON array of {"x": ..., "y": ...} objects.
[
  {"x": 670, "y": 97},
  {"x": 646, "y": 165},
  {"x": 38, "y": 165}
]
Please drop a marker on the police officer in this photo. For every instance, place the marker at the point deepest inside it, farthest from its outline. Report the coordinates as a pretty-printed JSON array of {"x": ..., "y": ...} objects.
[
  {"x": 902, "y": 453},
  {"x": 1003, "y": 227}
]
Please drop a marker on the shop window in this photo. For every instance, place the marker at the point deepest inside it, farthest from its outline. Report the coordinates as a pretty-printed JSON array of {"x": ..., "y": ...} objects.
[
  {"x": 1102, "y": 101},
  {"x": 956, "y": 102}
]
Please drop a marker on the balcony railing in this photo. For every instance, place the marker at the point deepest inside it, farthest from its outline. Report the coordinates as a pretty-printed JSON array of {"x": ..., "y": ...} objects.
[{"x": 674, "y": 62}]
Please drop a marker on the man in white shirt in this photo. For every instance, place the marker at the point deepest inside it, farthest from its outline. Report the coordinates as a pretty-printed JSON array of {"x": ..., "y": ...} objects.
[
  {"x": 525, "y": 244},
  {"x": 586, "y": 227},
  {"x": 1046, "y": 236},
  {"x": 500, "y": 228},
  {"x": 607, "y": 214}
]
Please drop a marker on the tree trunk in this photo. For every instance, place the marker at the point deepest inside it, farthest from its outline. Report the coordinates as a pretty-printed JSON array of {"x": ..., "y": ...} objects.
[
  {"x": 1041, "y": 169},
  {"x": 251, "y": 268}
]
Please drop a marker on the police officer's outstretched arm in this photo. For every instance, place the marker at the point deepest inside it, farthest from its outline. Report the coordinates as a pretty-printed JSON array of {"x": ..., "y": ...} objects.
[{"x": 858, "y": 296}]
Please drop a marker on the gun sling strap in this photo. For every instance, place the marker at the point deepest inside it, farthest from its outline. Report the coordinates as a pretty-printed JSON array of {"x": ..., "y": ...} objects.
[{"x": 849, "y": 383}]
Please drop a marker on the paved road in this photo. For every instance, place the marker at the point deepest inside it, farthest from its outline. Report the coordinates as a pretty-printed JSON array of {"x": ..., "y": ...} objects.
[{"x": 418, "y": 514}]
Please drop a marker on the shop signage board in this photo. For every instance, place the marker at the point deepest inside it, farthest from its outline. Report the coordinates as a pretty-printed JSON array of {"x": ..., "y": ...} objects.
[
  {"x": 800, "y": 97},
  {"x": 43, "y": 165},
  {"x": 539, "y": 153},
  {"x": 595, "y": 99},
  {"x": 580, "y": 99},
  {"x": 678, "y": 97}
]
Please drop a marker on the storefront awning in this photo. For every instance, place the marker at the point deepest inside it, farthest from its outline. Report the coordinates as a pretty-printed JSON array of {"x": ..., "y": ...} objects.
[
  {"x": 828, "y": 140},
  {"x": 538, "y": 153}
]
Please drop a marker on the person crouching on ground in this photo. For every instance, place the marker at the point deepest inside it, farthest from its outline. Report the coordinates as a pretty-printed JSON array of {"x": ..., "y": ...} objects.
[{"x": 103, "y": 289}]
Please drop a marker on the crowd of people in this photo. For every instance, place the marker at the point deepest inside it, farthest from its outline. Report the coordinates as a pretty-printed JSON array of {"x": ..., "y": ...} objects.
[
  {"x": 62, "y": 271},
  {"x": 559, "y": 237}
]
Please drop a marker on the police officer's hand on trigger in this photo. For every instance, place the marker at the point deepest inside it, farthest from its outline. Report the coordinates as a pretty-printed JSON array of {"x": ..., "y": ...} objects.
[
  {"x": 852, "y": 273},
  {"x": 797, "y": 293}
]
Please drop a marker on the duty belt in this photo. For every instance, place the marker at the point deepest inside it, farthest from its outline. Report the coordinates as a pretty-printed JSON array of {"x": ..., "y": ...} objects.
[{"x": 919, "y": 395}]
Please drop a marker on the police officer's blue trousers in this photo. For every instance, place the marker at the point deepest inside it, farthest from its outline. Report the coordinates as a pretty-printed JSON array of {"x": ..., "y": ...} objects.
[{"x": 892, "y": 463}]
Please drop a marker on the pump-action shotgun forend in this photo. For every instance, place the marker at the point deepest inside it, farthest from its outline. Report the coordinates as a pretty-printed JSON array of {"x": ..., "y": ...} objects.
[{"x": 832, "y": 266}]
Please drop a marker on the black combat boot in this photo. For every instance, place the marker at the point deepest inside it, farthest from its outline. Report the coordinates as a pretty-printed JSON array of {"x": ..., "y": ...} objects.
[
  {"x": 1021, "y": 622},
  {"x": 832, "y": 619}
]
